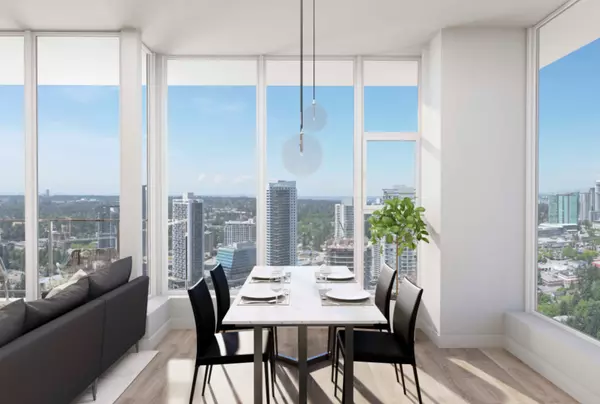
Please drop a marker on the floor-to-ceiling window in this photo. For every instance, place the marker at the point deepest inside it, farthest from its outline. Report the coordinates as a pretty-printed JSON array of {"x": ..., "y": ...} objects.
[
  {"x": 310, "y": 209},
  {"x": 568, "y": 206},
  {"x": 391, "y": 125},
  {"x": 12, "y": 168},
  {"x": 78, "y": 154},
  {"x": 211, "y": 169},
  {"x": 146, "y": 59}
]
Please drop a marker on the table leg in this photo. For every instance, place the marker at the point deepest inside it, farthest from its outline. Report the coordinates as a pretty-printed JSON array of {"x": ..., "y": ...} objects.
[
  {"x": 258, "y": 351},
  {"x": 302, "y": 365},
  {"x": 349, "y": 366}
]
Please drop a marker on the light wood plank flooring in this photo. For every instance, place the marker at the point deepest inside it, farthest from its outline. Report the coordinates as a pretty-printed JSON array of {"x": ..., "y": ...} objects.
[{"x": 446, "y": 376}]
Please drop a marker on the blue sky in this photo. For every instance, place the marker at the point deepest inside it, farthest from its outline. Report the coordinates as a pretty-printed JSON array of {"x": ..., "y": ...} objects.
[
  {"x": 212, "y": 141},
  {"x": 569, "y": 126}
]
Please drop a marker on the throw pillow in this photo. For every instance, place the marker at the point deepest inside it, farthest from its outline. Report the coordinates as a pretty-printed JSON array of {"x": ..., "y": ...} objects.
[
  {"x": 72, "y": 280},
  {"x": 12, "y": 318},
  {"x": 111, "y": 277},
  {"x": 42, "y": 311}
]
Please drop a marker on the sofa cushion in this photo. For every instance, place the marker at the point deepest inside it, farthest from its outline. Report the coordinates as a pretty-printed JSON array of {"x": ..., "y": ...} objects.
[
  {"x": 12, "y": 319},
  {"x": 42, "y": 311},
  {"x": 109, "y": 278},
  {"x": 72, "y": 280}
]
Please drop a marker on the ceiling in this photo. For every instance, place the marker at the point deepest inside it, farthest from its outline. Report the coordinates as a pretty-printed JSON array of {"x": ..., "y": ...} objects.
[{"x": 270, "y": 27}]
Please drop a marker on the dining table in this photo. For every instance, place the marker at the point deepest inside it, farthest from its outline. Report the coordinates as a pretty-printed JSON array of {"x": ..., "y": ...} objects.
[{"x": 305, "y": 305}]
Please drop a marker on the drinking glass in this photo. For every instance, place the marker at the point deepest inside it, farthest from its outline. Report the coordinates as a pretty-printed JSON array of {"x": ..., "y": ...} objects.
[
  {"x": 325, "y": 271},
  {"x": 276, "y": 281}
]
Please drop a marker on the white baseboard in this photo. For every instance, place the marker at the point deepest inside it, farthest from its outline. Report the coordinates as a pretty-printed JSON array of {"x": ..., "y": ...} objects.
[
  {"x": 463, "y": 341},
  {"x": 182, "y": 323},
  {"x": 150, "y": 342},
  {"x": 560, "y": 379}
]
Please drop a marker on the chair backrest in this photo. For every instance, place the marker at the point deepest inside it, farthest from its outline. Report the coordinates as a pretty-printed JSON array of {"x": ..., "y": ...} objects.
[
  {"x": 383, "y": 291},
  {"x": 405, "y": 314},
  {"x": 219, "y": 281},
  {"x": 204, "y": 315}
]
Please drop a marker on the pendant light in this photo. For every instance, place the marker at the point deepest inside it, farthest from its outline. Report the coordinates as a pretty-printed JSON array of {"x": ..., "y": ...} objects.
[{"x": 318, "y": 115}]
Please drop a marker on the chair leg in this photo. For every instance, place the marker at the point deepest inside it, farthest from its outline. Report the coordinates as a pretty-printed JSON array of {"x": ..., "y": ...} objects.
[
  {"x": 205, "y": 379},
  {"x": 337, "y": 364},
  {"x": 396, "y": 371},
  {"x": 333, "y": 348},
  {"x": 273, "y": 367},
  {"x": 210, "y": 373},
  {"x": 95, "y": 388},
  {"x": 275, "y": 341},
  {"x": 402, "y": 373},
  {"x": 196, "y": 367},
  {"x": 417, "y": 382},
  {"x": 267, "y": 381}
]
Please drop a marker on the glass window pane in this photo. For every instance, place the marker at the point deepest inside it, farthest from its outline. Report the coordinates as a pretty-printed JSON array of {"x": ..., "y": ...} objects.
[
  {"x": 308, "y": 189},
  {"x": 212, "y": 165},
  {"x": 391, "y": 96},
  {"x": 145, "y": 58},
  {"x": 385, "y": 180},
  {"x": 568, "y": 278},
  {"x": 12, "y": 160},
  {"x": 78, "y": 155}
]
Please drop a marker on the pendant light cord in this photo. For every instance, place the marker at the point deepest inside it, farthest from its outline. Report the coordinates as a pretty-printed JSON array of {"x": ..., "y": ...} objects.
[
  {"x": 314, "y": 53},
  {"x": 301, "y": 65}
]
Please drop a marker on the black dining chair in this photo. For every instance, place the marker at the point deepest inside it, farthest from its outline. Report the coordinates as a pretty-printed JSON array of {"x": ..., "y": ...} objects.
[
  {"x": 221, "y": 348},
  {"x": 383, "y": 295},
  {"x": 382, "y": 347},
  {"x": 221, "y": 286}
]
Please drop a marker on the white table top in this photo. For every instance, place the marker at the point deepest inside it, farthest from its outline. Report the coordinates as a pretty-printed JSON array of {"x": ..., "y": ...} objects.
[{"x": 305, "y": 307}]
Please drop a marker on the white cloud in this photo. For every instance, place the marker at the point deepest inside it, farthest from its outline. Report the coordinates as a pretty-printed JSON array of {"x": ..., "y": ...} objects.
[
  {"x": 201, "y": 177},
  {"x": 218, "y": 178},
  {"x": 242, "y": 178}
]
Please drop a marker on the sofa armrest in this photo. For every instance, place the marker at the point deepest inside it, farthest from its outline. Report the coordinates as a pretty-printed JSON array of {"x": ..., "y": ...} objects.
[
  {"x": 125, "y": 319},
  {"x": 55, "y": 362}
]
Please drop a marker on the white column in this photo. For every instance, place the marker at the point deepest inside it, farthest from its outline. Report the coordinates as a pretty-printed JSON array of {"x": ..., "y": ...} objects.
[
  {"x": 31, "y": 167},
  {"x": 130, "y": 200},
  {"x": 359, "y": 172},
  {"x": 261, "y": 163},
  {"x": 473, "y": 183},
  {"x": 157, "y": 189}
]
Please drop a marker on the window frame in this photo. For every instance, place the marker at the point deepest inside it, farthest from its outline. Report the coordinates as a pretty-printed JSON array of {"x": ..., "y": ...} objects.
[{"x": 532, "y": 174}]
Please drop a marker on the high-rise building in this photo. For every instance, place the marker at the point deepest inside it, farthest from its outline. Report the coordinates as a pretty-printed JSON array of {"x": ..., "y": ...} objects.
[
  {"x": 237, "y": 261},
  {"x": 188, "y": 238},
  {"x": 209, "y": 242},
  {"x": 341, "y": 253},
  {"x": 239, "y": 231},
  {"x": 408, "y": 261},
  {"x": 398, "y": 191},
  {"x": 282, "y": 216},
  {"x": 593, "y": 198},
  {"x": 586, "y": 206},
  {"x": 107, "y": 226},
  {"x": 343, "y": 226},
  {"x": 597, "y": 197},
  {"x": 563, "y": 208}
]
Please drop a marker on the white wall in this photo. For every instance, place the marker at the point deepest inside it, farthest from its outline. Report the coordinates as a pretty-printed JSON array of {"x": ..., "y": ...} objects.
[
  {"x": 431, "y": 185},
  {"x": 481, "y": 121}
]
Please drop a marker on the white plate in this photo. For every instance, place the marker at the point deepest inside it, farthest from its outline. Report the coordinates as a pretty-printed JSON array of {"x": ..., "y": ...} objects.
[
  {"x": 263, "y": 273},
  {"x": 340, "y": 276},
  {"x": 348, "y": 295},
  {"x": 261, "y": 294}
]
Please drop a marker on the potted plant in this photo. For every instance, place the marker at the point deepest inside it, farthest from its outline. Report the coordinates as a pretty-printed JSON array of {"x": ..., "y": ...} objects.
[{"x": 400, "y": 223}]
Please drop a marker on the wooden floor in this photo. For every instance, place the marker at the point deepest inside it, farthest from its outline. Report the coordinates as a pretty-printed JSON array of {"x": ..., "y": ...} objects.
[{"x": 446, "y": 376}]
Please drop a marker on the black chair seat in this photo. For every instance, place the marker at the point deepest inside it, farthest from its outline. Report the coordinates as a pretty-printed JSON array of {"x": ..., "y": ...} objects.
[
  {"x": 378, "y": 347},
  {"x": 234, "y": 327},
  {"x": 233, "y": 347}
]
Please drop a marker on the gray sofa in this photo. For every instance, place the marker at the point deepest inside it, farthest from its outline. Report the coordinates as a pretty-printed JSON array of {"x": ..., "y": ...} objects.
[{"x": 56, "y": 362}]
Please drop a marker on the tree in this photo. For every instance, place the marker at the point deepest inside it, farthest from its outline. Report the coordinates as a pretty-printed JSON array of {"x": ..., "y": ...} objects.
[
  {"x": 563, "y": 307},
  {"x": 399, "y": 222},
  {"x": 569, "y": 252}
]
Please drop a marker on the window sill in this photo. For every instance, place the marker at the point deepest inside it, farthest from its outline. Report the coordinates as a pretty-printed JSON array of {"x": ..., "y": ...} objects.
[{"x": 562, "y": 355}]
